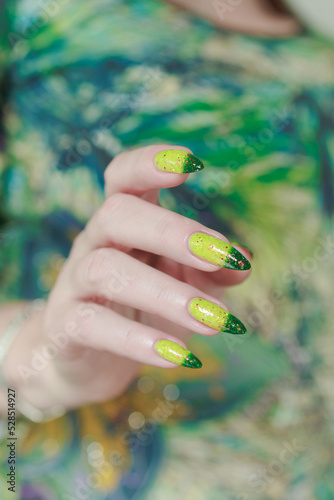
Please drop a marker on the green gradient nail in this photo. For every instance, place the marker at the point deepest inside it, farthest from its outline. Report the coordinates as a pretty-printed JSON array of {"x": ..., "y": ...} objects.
[
  {"x": 216, "y": 317},
  {"x": 177, "y": 161},
  {"x": 233, "y": 243},
  {"x": 217, "y": 252},
  {"x": 177, "y": 354}
]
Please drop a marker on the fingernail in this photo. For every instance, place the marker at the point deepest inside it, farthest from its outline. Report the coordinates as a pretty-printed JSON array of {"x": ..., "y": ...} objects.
[
  {"x": 177, "y": 354},
  {"x": 177, "y": 161},
  {"x": 243, "y": 246},
  {"x": 216, "y": 317},
  {"x": 217, "y": 252}
]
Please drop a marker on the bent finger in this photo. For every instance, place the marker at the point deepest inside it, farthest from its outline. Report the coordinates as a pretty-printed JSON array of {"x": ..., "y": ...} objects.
[
  {"x": 92, "y": 325},
  {"x": 120, "y": 278},
  {"x": 128, "y": 221},
  {"x": 151, "y": 167}
]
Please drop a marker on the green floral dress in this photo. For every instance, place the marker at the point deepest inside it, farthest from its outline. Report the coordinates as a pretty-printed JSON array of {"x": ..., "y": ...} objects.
[{"x": 82, "y": 81}]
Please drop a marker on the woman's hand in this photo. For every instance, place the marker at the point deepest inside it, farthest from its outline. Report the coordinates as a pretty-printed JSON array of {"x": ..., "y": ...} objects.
[{"x": 138, "y": 280}]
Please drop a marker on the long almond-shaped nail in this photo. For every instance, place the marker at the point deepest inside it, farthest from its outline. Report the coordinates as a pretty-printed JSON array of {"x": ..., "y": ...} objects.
[
  {"x": 177, "y": 161},
  {"x": 233, "y": 243},
  {"x": 216, "y": 317},
  {"x": 177, "y": 354},
  {"x": 217, "y": 252}
]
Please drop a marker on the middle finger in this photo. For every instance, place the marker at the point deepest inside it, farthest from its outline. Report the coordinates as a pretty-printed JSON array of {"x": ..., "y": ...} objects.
[{"x": 116, "y": 276}]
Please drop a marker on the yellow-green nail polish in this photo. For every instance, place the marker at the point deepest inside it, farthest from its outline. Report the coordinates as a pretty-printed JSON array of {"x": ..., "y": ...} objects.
[
  {"x": 177, "y": 161},
  {"x": 216, "y": 317},
  {"x": 217, "y": 252},
  {"x": 177, "y": 354}
]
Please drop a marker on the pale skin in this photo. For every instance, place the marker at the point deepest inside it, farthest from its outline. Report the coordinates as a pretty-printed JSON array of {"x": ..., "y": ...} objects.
[
  {"x": 129, "y": 278},
  {"x": 254, "y": 17}
]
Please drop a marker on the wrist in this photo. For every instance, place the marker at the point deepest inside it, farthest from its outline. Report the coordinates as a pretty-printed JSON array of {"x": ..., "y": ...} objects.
[{"x": 35, "y": 385}]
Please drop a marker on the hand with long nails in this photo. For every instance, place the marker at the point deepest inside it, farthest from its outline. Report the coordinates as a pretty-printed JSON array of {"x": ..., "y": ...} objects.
[{"x": 139, "y": 279}]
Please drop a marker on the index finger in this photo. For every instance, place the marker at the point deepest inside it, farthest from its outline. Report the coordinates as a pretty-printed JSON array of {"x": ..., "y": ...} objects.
[{"x": 151, "y": 167}]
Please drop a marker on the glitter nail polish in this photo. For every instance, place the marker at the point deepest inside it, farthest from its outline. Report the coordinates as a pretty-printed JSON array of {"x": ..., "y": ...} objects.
[
  {"x": 217, "y": 252},
  {"x": 216, "y": 317},
  {"x": 177, "y": 161},
  {"x": 177, "y": 354},
  {"x": 233, "y": 243}
]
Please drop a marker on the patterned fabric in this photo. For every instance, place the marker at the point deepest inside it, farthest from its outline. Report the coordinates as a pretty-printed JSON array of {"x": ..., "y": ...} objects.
[{"x": 82, "y": 81}]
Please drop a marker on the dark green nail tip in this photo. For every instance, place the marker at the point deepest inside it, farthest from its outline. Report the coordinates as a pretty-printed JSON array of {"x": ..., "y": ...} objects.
[
  {"x": 192, "y": 164},
  {"x": 243, "y": 246},
  {"x": 218, "y": 252},
  {"x": 192, "y": 362},
  {"x": 234, "y": 325},
  {"x": 235, "y": 260}
]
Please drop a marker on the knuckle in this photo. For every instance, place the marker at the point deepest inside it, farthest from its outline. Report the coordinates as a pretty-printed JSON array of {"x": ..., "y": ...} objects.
[
  {"x": 96, "y": 267},
  {"x": 109, "y": 171},
  {"x": 113, "y": 206},
  {"x": 110, "y": 167},
  {"x": 160, "y": 294},
  {"x": 78, "y": 244},
  {"x": 165, "y": 227},
  {"x": 80, "y": 321},
  {"x": 129, "y": 336},
  {"x": 84, "y": 327}
]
